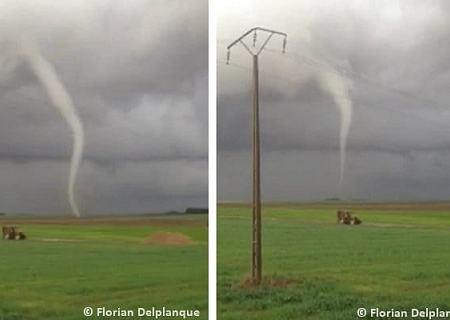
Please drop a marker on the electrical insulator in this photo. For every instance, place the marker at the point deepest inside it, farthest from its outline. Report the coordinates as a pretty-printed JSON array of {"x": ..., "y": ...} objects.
[
  {"x": 228, "y": 57},
  {"x": 254, "y": 38},
  {"x": 284, "y": 44}
]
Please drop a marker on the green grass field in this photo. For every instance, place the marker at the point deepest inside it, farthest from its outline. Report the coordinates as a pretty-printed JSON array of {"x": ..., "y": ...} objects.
[
  {"x": 315, "y": 268},
  {"x": 69, "y": 264}
]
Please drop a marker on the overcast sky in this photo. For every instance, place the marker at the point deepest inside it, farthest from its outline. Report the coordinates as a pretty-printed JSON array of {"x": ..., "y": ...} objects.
[
  {"x": 137, "y": 73},
  {"x": 394, "y": 56}
]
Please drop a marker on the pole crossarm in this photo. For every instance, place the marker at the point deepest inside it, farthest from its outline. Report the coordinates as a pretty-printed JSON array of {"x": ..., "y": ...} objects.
[
  {"x": 256, "y": 165},
  {"x": 255, "y": 30},
  {"x": 252, "y": 30}
]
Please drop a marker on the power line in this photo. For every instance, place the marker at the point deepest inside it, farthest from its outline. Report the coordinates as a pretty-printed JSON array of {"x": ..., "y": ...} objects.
[
  {"x": 346, "y": 73},
  {"x": 303, "y": 59},
  {"x": 365, "y": 104}
]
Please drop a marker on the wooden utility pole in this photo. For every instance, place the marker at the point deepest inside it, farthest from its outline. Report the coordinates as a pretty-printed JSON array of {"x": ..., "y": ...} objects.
[{"x": 256, "y": 181}]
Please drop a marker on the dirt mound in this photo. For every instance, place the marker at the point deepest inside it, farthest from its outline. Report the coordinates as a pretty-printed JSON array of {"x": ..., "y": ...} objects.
[{"x": 168, "y": 239}]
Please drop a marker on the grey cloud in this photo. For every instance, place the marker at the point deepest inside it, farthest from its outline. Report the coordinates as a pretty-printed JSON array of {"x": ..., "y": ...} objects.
[
  {"x": 125, "y": 187},
  {"x": 137, "y": 73},
  {"x": 398, "y": 46}
]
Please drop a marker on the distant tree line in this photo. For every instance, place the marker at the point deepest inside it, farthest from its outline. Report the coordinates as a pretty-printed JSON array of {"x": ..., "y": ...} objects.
[{"x": 197, "y": 210}]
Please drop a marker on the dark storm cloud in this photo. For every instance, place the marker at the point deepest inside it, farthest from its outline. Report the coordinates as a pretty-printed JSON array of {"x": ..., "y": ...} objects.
[
  {"x": 137, "y": 73},
  {"x": 395, "y": 54}
]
